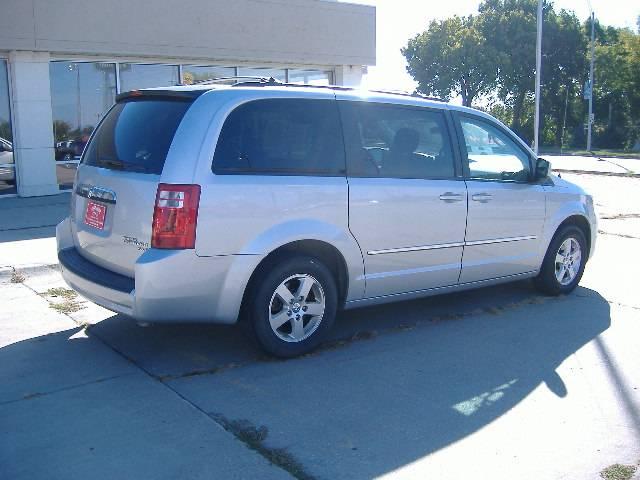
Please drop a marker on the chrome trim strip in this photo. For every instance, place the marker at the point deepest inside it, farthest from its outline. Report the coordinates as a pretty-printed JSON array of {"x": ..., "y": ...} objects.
[
  {"x": 96, "y": 193},
  {"x": 500, "y": 240},
  {"x": 361, "y": 302},
  {"x": 415, "y": 249},
  {"x": 450, "y": 245}
]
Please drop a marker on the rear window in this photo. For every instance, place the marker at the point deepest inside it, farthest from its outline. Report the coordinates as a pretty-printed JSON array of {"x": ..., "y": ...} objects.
[
  {"x": 282, "y": 137},
  {"x": 135, "y": 135}
]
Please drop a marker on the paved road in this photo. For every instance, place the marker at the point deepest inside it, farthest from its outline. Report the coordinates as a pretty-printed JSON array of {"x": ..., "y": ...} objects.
[{"x": 497, "y": 383}]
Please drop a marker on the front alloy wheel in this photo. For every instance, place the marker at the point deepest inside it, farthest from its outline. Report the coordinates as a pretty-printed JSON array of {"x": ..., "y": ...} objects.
[
  {"x": 564, "y": 262},
  {"x": 568, "y": 261}
]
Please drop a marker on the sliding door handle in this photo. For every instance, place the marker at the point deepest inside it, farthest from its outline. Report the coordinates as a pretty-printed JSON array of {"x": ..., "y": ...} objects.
[
  {"x": 481, "y": 197},
  {"x": 450, "y": 197}
]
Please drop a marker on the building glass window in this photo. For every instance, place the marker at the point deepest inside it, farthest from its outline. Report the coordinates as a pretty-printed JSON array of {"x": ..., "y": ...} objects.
[
  {"x": 7, "y": 164},
  {"x": 278, "y": 74},
  {"x": 81, "y": 93},
  {"x": 310, "y": 77},
  {"x": 134, "y": 76},
  {"x": 195, "y": 73}
]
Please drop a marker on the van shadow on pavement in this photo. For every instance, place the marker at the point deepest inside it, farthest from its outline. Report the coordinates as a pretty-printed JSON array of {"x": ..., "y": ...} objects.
[{"x": 394, "y": 384}]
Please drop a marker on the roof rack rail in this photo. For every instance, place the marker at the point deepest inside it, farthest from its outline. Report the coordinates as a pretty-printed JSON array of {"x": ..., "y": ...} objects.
[
  {"x": 257, "y": 81},
  {"x": 407, "y": 94},
  {"x": 244, "y": 79}
]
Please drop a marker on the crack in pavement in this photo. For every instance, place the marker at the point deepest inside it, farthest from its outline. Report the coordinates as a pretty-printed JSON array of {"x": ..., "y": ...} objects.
[
  {"x": 622, "y": 235},
  {"x": 30, "y": 396},
  {"x": 620, "y": 216}
]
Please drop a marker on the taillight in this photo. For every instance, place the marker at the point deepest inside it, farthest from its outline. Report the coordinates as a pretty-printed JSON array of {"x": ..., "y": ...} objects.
[{"x": 175, "y": 216}]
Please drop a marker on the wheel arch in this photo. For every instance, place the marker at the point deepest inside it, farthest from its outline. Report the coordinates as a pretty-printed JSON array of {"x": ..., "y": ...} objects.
[
  {"x": 582, "y": 223},
  {"x": 327, "y": 253}
]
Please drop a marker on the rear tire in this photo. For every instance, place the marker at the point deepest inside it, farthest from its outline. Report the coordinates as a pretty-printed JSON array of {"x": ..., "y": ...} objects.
[
  {"x": 563, "y": 263},
  {"x": 292, "y": 307}
]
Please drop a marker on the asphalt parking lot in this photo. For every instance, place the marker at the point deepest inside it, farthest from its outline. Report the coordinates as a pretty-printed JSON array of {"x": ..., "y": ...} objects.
[{"x": 496, "y": 383}]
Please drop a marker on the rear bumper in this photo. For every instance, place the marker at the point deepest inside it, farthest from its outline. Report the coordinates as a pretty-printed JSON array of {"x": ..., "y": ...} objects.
[{"x": 169, "y": 285}]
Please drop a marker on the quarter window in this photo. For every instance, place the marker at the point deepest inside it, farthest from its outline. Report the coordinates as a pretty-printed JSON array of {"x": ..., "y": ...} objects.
[
  {"x": 281, "y": 136},
  {"x": 491, "y": 154},
  {"x": 397, "y": 142}
]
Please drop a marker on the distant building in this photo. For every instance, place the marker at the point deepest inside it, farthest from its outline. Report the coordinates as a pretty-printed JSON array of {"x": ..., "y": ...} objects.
[{"x": 62, "y": 62}]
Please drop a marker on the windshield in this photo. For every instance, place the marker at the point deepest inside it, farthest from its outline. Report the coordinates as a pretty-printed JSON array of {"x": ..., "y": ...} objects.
[{"x": 135, "y": 135}]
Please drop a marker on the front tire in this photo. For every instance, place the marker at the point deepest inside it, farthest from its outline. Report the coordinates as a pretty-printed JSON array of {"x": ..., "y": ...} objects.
[
  {"x": 293, "y": 306},
  {"x": 564, "y": 262}
]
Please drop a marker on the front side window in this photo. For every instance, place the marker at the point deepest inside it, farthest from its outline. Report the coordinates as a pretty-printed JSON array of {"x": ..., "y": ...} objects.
[
  {"x": 281, "y": 136},
  {"x": 397, "y": 142},
  {"x": 491, "y": 154}
]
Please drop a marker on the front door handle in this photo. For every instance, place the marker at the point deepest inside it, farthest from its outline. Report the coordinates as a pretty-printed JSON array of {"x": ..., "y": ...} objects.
[
  {"x": 450, "y": 197},
  {"x": 481, "y": 197}
]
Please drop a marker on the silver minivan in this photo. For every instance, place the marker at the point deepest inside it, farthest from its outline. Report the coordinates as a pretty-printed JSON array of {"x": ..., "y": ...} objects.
[{"x": 278, "y": 204}]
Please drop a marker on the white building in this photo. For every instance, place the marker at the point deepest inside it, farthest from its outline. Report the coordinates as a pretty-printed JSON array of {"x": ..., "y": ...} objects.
[{"x": 63, "y": 61}]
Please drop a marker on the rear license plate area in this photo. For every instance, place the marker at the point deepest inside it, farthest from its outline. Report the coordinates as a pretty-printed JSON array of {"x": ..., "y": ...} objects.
[{"x": 95, "y": 215}]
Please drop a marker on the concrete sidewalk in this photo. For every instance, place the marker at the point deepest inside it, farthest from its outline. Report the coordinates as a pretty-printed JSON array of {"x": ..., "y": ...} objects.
[{"x": 27, "y": 231}]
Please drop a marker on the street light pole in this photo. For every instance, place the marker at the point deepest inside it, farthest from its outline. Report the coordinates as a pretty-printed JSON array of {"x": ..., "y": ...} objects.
[
  {"x": 536, "y": 125},
  {"x": 590, "y": 119}
]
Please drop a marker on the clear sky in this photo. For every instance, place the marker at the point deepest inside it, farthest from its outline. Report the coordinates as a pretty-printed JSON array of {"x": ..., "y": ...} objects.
[{"x": 399, "y": 20}]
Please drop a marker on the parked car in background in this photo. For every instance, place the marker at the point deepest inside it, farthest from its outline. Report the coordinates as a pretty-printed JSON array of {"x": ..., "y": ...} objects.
[
  {"x": 7, "y": 163},
  {"x": 68, "y": 150},
  {"x": 280, "y": 204}
]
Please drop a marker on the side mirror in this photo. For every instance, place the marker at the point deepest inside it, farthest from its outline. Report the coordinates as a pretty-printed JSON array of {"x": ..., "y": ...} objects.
[{"x": 542, "y": 169}]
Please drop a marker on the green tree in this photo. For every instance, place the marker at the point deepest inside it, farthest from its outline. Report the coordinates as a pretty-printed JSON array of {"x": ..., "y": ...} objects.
[
  {"x": 564, "y": 67},
  {"x": 510, "y": 29},
  {"x": 450, "y": 58},
  {"x": 617, "y": 91},
  {"x": 61, "y": 130}
]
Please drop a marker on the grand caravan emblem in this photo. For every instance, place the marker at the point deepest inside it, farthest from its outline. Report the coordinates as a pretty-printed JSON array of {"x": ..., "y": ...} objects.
[{"x": 135, "y": 242}]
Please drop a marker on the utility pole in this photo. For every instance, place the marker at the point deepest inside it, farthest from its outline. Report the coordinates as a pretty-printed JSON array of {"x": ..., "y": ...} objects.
[
  {"x": 590, "y": 119},
  {"x": 536, "y": 125}
]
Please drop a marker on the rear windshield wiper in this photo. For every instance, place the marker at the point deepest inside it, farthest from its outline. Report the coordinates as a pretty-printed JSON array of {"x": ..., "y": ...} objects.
[{"x": 121, "y": 165}]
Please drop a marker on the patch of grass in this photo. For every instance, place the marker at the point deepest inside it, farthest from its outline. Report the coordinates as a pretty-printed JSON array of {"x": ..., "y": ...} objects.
[
  {"x": 254, "y": 437},
  {"x": 17, "y": 277},
  {"x": 618, "y": 472},
  {"x": 68, "y": 303},
  {"x": 65, "y": 293},
  {"x": 68, "y": 306}
]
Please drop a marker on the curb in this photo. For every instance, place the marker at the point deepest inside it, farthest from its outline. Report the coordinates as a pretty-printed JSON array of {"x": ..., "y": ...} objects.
[
  {"x": 590, "y": 172},
  {"x": 6, "y": 271}
]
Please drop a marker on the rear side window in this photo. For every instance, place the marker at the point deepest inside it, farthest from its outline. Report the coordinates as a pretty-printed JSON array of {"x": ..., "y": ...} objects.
[
  {"x": 395, "y": 141},
  {"x": 281, "y": 137},
  {"x": 135, "y": 136}
]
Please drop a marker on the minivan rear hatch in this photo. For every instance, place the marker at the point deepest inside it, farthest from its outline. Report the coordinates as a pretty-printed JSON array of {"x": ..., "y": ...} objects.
[{"x": 114, "y": 192}]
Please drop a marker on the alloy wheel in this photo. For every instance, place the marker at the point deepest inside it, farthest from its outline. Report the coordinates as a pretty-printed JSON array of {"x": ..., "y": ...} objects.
[{"x": 296, "y": 308}]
